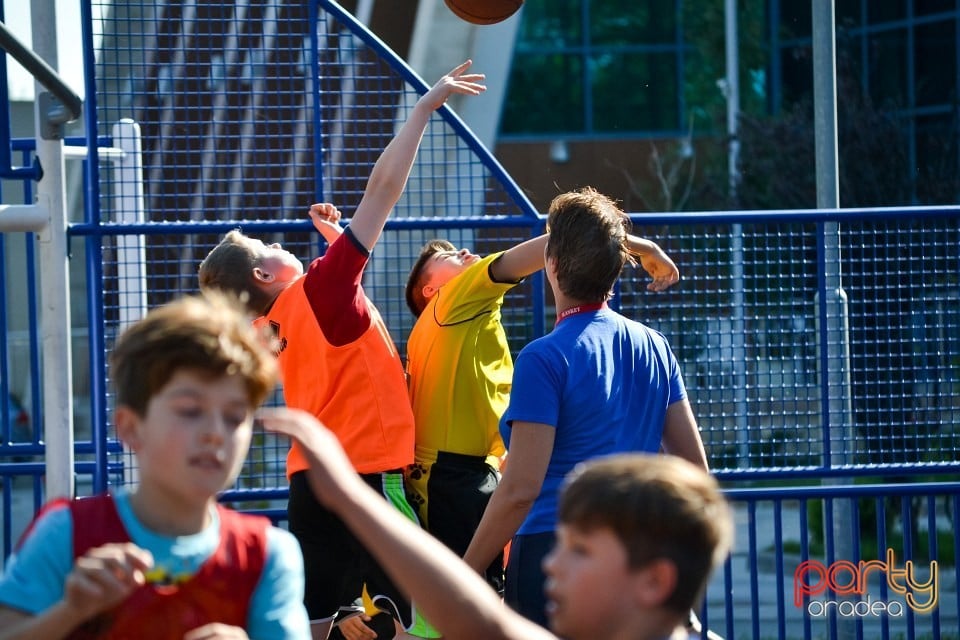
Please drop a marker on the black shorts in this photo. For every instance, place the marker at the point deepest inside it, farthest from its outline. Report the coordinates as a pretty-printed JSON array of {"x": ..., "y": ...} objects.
[
  {"x": 336, "y": 564},
  {"x": 451, "y": 494},
  {"x": 523, "y": 590}
]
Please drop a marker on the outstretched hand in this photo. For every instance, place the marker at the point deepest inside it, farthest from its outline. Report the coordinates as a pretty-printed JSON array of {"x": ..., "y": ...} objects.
[
  {"x": 661, "y": 268},
  {"x": 456, "y": 81}
]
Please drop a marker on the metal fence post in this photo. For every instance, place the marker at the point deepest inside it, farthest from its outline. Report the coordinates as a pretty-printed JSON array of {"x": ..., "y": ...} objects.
[
  {"x": 837, "y": 372},
  {"x": 129, "y": 208},
  {"x": 131, "y": 250},
  {"x": 54, "y": 275}
]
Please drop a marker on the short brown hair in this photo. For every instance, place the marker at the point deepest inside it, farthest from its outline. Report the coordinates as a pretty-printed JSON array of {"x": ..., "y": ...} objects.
[
  {"x": 210, "y": 334},
  {"x": 229, "y": 268},
  {"x": 659, "y": 506},
  {"x": 588, "y": 233},
  {"x": 415, "y": 299}
]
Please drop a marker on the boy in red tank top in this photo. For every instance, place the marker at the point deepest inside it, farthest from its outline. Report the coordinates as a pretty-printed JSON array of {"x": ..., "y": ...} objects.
[{"x": 164, "y": 561}]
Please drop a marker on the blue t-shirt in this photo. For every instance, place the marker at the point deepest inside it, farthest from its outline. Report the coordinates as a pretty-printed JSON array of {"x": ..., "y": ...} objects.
[
  {"x": 35, "y": 575},
  {"x": 604, "y": 382}
]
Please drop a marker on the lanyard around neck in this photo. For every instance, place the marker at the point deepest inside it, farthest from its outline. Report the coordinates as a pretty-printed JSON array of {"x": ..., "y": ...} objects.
[{"x": 580, "y": 308}]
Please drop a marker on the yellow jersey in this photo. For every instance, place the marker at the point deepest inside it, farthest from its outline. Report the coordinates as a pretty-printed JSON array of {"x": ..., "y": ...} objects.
[{"x": 459, "y": 366}]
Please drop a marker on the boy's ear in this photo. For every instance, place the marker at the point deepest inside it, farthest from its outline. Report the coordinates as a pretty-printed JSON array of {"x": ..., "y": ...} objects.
[
  {"x": 428, "y": 291},
  {"x": 126, "y": 421},
  {"x": 654, "y": 583},
  {"x": 262, "y": 275},
  {"x": 550, "y": 263}
]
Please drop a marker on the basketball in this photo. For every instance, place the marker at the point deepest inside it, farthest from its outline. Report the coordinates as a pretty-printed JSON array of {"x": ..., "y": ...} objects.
[{"x": 484, "y": 11}]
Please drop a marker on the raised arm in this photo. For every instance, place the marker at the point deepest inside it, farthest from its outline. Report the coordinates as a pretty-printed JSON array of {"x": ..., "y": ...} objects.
[
  {"x": 390, "y": 173},
  {"x": 527, "y": 257},
  {"x": 453, "y": 598},
  {"x": 519, "y": 261}
]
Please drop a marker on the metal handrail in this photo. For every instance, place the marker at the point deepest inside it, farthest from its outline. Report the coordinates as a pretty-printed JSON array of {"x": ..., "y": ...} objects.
[{"x": 41, "y": 71}]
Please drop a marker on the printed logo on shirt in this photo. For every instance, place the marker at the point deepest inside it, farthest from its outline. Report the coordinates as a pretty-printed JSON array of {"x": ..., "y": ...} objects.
[
  {"x": 281, "y": 342},
  {"x": 163, "y": 577}
]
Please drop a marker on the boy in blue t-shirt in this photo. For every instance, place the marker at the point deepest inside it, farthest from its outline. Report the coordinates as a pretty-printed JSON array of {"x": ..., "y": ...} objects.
[{"x": 598, "y": 384}]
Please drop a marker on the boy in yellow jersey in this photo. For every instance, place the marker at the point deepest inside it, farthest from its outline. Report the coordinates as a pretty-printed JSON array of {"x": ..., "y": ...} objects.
[{"x": 460, "y": 371}]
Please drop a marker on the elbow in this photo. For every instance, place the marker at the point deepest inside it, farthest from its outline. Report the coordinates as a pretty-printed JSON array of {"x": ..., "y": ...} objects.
[
  {"x": 521, "y": 497},
  {"x": 525, "y": 501},
  {"x": 376, "y": 183},
  {"x": 387, "y": 184}
]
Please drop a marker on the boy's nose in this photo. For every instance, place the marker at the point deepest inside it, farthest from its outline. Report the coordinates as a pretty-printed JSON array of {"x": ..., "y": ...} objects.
[{"x": 216, "y": 428}]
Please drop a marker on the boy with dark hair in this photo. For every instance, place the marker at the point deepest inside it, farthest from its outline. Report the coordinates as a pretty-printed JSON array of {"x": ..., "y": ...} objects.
[
  {"x": 598, "y": 384},
  {"x": 338, "y": 362},
  {"x": 163, "y": 560},
  {"x": 459, "y": 368},
  {"x": 638, "y": 537},
  {"x": 653, "y": 515}
]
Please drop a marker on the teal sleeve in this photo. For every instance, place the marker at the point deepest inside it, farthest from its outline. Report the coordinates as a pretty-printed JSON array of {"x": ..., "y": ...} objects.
[
  {"x": 35, "y": 574},
  {"x": 276, "y": 610}
]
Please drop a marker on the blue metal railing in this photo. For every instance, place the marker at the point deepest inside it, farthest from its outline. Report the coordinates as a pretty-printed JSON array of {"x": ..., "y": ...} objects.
[{"x": 763, "y": 598}]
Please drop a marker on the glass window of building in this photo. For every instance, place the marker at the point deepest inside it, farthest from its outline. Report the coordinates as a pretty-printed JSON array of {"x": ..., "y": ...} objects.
[{"x": 596, "y": 67}]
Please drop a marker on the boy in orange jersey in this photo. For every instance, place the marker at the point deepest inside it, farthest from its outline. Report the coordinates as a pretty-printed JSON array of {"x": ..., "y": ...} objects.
[
  {"x": 638, "y": 537},
  {"x": 339, "y": 363},
  {"x": 162, "y": 560},
  {"x": 457, "y": 401}
]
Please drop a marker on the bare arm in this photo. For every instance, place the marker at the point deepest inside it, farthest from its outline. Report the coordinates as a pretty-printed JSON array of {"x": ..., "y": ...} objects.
[
  {"x": 390, "y": 173},
  {"x": 681, "y": 436},
  {"x": 519, "y": 261},
  {"x": 453, "y": 598},
  {"x": 531, "y": 445},
  {"x": 56, "y": 622},
  {"x": 655, "y": 262},
  {"x": 527, "y": 257}
]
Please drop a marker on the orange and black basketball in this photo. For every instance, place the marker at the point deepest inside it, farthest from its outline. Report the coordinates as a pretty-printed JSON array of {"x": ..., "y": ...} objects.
[{"x": 484, "y": 11}]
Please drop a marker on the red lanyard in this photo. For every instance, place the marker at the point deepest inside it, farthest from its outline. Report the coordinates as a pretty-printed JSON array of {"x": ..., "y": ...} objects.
[{"x": 580, "y": 308}]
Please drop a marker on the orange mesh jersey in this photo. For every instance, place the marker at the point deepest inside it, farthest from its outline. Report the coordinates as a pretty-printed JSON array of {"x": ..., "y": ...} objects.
[{"x": 358, "y": 390}]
